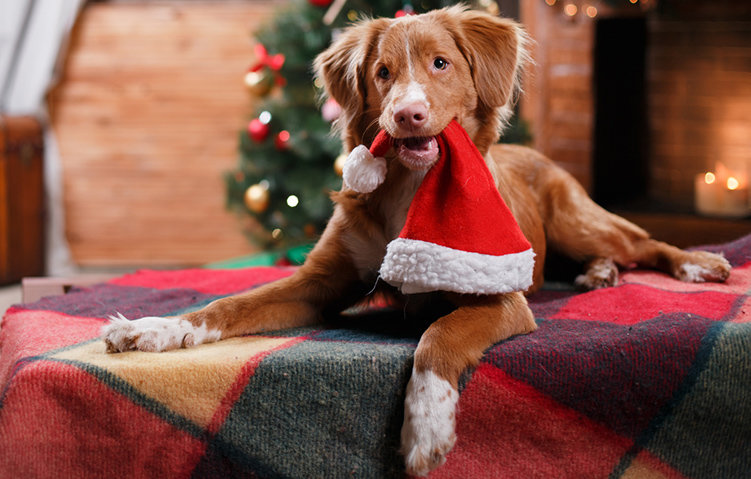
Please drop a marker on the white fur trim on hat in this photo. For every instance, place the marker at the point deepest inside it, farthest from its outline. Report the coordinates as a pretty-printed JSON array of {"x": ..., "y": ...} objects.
[
  {"x": 362, "y": 172},
  {"x": 417, "y": 266}
]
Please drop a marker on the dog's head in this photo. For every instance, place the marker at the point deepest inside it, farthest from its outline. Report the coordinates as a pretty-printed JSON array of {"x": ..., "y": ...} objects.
[{"x": 411, "y": 76}]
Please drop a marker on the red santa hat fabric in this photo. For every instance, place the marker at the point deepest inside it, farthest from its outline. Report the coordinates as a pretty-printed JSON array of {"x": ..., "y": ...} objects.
[{"x": 459, "y": 234}]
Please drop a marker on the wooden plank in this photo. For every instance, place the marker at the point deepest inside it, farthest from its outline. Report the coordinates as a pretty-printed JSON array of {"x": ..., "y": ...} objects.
[{"x": 147, "y": 117}]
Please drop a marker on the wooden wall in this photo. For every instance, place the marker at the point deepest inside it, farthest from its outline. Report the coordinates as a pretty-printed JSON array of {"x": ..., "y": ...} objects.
[
  {"x": 699, "y": 81},
  {"x": 147, "y": 116},
  {"x": 558, "y": 100}
]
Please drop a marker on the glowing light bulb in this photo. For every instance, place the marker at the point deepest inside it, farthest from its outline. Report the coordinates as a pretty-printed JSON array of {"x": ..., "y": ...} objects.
[
  {"x": 733, "y": 183},
  {"x": 709, "y": 178},
  {"x": 292, "y": 201},
  {"x": 570, "y": 9},
  {"x": 591, "y": 11}
]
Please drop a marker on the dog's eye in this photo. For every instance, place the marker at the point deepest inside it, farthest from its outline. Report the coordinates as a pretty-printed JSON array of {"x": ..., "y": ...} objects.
[
  {"x": 440, "y": 64},
  {"x": 384, "y": 73}
]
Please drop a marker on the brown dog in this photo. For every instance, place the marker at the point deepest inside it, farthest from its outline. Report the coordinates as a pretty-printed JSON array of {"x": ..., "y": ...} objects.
[{"x": 411, "y": 77}]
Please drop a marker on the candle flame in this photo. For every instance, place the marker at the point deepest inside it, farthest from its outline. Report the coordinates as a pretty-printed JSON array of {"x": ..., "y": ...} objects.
[
  {"x": 733, "y": 183},
  {"x": 709, "y": 178}
]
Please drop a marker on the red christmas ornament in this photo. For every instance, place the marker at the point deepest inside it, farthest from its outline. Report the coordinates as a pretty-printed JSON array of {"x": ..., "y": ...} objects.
[
  {"x": 331, "y": 110},
  {"x": 407, "y": 10},
  {"x": 258, "y": 131},
  {"x": 320, "y": 3},
  {"x": 283, "y": 261},
  {"x": 282, "y": 140}
]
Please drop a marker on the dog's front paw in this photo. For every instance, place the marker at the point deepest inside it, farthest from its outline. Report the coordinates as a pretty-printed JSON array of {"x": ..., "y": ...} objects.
[
  {"x": 154, "y": 334},
  {"x": 429, "y": 421},
  {"x": 703, "y": 266}
]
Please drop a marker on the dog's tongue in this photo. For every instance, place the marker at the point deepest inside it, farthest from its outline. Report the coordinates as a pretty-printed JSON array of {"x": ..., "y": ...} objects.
[{"x": 418, "y": 153}]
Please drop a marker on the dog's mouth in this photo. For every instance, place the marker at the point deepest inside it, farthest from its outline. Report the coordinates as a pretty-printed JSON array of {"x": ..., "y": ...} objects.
[{"x": 417, "y": 153}]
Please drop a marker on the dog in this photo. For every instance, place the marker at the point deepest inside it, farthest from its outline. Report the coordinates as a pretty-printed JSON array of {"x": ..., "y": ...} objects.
[{"x": 411, "y": 76}]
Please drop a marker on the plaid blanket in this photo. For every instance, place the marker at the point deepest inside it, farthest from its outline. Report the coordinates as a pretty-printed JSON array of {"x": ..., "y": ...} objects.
[{"x": 651, "y": 378}]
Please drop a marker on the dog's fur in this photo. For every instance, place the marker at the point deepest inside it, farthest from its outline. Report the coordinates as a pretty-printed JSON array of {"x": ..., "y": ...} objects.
[{"x": 411, "y": 77}]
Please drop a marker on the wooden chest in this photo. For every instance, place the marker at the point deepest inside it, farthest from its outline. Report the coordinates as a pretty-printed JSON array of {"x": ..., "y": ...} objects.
[{"x": 21, "y": 199}]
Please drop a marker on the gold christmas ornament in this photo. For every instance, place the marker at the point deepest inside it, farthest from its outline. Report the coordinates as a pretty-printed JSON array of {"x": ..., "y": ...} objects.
[
  {"x": 339, "y": 164},
  {"x": 257, "y": 198},
  {"x": 259, "y": 83}
]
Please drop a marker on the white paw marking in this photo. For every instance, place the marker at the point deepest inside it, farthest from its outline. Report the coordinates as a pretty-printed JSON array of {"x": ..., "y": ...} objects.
[
  {"x": 154, "y": 334},
  {"x": 704, "y": 266},
  {"x": 429, "y": 420},
  {"x": 694, "y": 273}
]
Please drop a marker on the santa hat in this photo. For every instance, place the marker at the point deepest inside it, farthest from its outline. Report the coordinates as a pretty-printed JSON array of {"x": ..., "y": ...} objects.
[
  {"x": 459, "y": 234},
  {"x": 365, "y": 169}
]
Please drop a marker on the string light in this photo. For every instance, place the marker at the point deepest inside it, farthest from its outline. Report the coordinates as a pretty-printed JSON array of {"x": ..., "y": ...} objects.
[
  {"x": 733, "y": 183},
  {"x": 709, "y": 178},
  {"x": 591, "y": 8},
  {"x": 292, "y": 201},
  {"x": 570, "y": 9}
]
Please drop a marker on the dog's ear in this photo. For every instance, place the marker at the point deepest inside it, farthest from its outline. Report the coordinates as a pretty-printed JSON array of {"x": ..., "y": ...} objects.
[
  {"x": 341, "y": 67},
  {"x": 495, "y": 48}
]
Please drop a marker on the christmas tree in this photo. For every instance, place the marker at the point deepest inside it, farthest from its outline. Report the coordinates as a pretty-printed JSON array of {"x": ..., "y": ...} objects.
[{"x": 289, "y": 161}]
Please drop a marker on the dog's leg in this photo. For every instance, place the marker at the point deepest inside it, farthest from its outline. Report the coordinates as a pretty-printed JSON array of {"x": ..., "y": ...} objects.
[
  {"x": 325, "y": 280},
  {"x": 618, "y": 247},
  {"x": 690, "y": 266},
  {"x": 450, "y": 345},
  {"x": 578, "y": 227}
]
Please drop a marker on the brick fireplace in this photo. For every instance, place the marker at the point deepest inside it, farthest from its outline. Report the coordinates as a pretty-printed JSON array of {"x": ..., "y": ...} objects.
[{"x": 638, "y": 100}]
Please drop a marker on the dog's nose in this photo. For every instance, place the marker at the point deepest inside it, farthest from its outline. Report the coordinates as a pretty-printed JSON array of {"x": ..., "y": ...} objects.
[{"x": 412, "y": 116}]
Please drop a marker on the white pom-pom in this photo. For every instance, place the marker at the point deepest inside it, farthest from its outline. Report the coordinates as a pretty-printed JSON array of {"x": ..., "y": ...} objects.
[{"x": 362, "y": 172}]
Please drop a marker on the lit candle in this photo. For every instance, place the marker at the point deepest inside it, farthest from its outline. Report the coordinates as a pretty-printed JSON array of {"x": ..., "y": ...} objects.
[
  {"x": 735, "y": 198},
  {"x": 706, "y": 198},
  {"x": 720, "y": 196}
]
